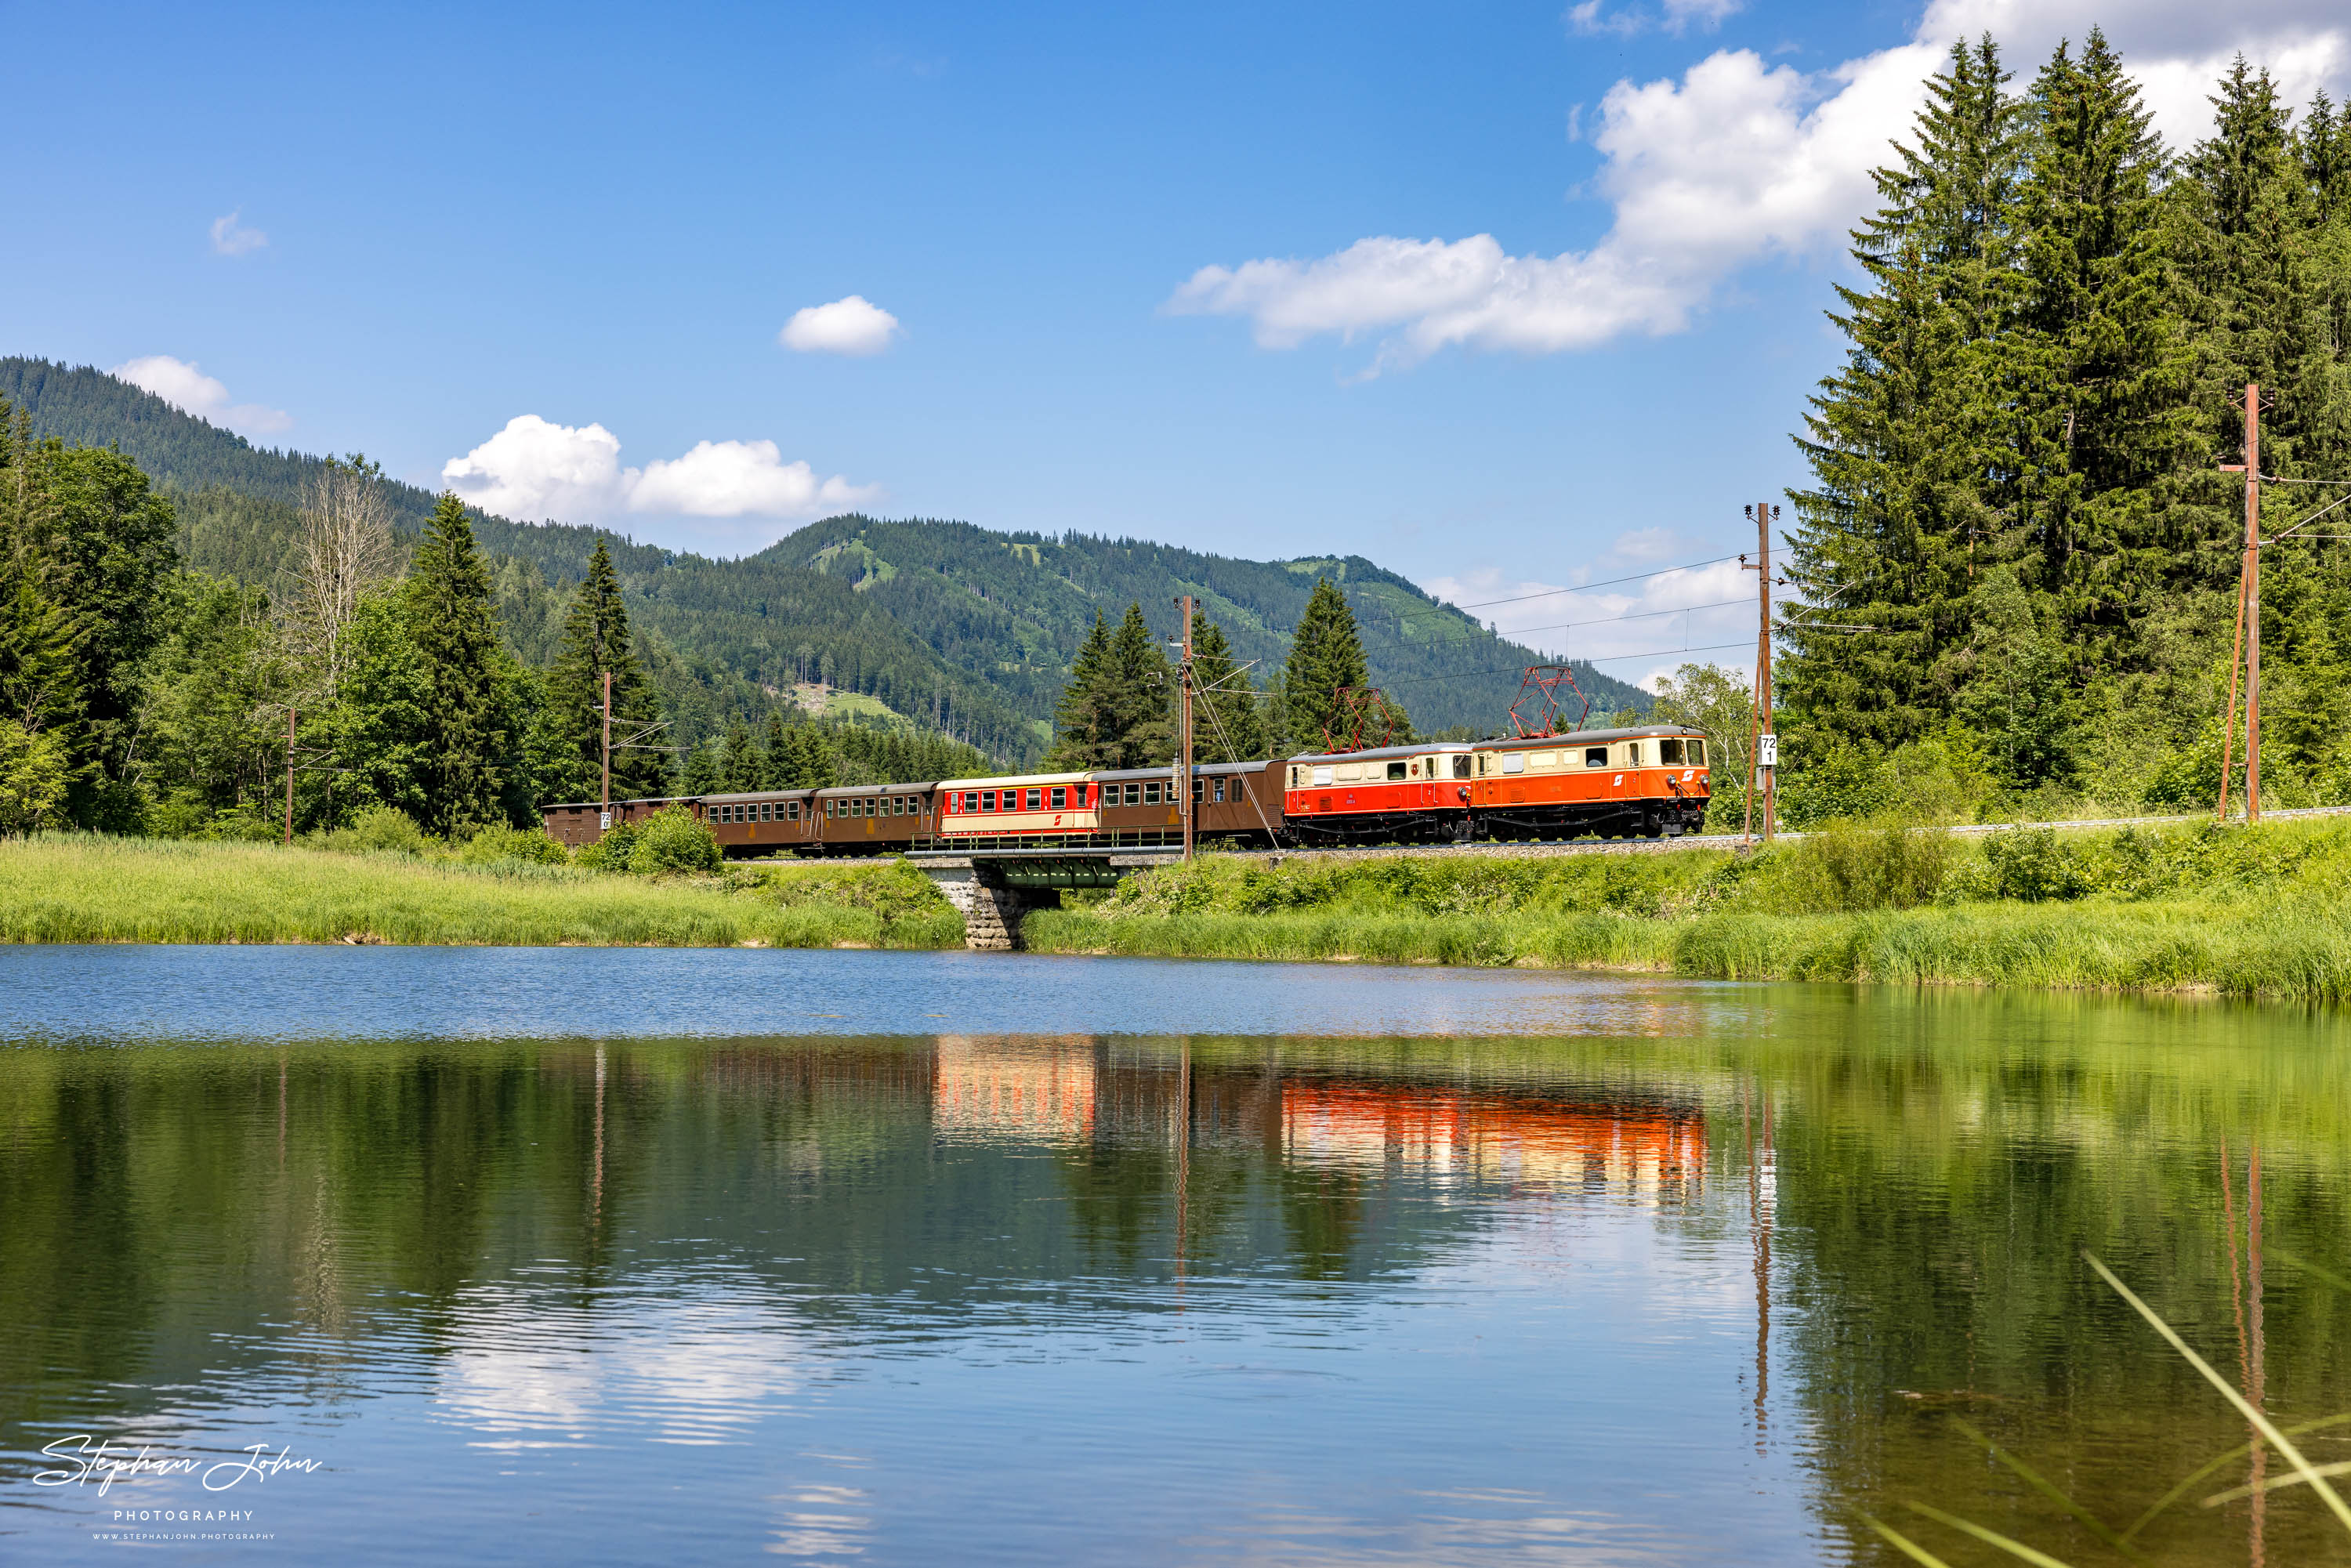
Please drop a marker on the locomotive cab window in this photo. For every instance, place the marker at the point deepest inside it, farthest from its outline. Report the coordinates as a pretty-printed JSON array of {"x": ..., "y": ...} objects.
[
  {"x": 1596, "y": 756},
  {"x": 1461, "y": 767},
  {"x": 1395, "y": 771},
  {"x": 1669, "y": 751},
  {"x": 1632, "y": 754},
  {"x": 1698, "y": 753}
]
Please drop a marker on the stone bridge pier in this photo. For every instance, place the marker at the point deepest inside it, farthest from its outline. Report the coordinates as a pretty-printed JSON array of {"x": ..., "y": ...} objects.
[{"x": 993, "y": 892}]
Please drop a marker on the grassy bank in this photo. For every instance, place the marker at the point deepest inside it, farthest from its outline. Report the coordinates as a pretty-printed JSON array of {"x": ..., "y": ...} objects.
[
  {"x": 2258, "y": 912},
  {"x": 72, "y": 888}
]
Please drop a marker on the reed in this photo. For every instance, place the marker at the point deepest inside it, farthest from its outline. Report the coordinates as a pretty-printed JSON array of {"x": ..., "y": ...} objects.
[{"x": 77, "y": 888}]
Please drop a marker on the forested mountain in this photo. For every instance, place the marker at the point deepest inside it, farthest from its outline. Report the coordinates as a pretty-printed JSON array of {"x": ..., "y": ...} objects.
[
  {"x": 2021, "y": 551},
  {"x": 961, "y": 629}
]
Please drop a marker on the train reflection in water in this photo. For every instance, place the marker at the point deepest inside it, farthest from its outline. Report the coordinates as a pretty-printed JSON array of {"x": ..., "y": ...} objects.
[{"x": 1075, "y": 1090}]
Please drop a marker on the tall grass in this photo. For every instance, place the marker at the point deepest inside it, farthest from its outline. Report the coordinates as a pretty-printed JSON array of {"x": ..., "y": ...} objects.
[
  {"x": 73, "y": 888},
  {"x": 2260, "y": 912}
]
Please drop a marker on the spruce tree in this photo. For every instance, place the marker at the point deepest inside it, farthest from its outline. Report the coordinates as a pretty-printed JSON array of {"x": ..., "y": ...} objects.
[
  {"x": 1142, "y": 691},
  {"x": 741, "y": 765},
  {"x": 1225, "y": 712},
  {"x": 1085, "y": 725},
  {"x": 1326, "y": 658},
  {"x": 1908, "y": 442},
  {"x": 464, "y": 668},
  {"x": 2100, "y": 406},
  {"x": 596, "y": 639}
]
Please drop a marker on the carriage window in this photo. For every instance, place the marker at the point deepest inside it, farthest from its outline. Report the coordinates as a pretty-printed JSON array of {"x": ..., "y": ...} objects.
[
  {"x": 1396, "y": 769},
  {"x": 1150, "y": 791},
  {"x": 1596, "y": 756},
  {"x": 1036, "y": 800},
  {"x": 1545, "y": 760},
  {"x": 1200, "y": 788},
  {"x": 1133, "y": 795},
  {"x": 1461, "y": 768},
  {"x": 1516, "y": 762},
  {"x": 1218, "y": 794},
  {"x": 1061, "y": 799},
  {"x": 1669, "y": 752},
  {"x": 791, "y": 810}
]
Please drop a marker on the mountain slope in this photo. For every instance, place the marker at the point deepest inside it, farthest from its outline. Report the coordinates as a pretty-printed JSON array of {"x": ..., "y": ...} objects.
[{"x": 960, "y": 628}]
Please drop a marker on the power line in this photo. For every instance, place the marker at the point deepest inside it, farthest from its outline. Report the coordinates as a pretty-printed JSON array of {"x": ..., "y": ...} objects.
[
  {"x": 1556, "y": 626},
  {"x": 1517, "y": 669},
  {"x": 1588, "y": 587}
]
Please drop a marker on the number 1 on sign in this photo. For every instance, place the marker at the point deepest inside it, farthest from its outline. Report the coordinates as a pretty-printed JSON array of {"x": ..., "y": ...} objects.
[{"x": 1767, "y": 750}]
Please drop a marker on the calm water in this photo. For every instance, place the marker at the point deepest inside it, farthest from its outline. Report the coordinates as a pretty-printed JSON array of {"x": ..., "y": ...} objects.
[{"x": 603, "y": 1257}]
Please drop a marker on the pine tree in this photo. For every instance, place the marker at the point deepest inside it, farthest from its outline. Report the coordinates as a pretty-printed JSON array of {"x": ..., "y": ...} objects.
[
  {"x": 596, "y": 639},
  {"x": 775, "y": 754},
  {"x": 1225, "y": 712},
  {"x": 466, "y": 669}
]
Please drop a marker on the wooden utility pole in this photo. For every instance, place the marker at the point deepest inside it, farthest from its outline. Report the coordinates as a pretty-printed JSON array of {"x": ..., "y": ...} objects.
[
  {"x": 1763, "y": 745},
  {"x": 2253, "y": 603},
  {"x": 1183, "y": 733},
  {"x": 605, "y": 810},
  {"x": 2247, "y": 657},
  {"x": 290, "y": 716}
]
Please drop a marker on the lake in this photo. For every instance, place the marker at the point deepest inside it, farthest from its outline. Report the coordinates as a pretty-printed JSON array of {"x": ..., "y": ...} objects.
[{"x": 597, "y": 1256}]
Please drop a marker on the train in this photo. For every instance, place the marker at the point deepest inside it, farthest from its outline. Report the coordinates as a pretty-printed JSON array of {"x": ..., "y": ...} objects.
[{"x": 1645, "y": 781}]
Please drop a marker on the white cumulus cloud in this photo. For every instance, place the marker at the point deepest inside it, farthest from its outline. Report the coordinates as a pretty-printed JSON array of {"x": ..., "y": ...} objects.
[
  {"x": 232, "y": 238},
  {"x": 854, "y": 326},
  {"x": 536, "y": 468},
  {"x": 186, "y": 388},
  {"x": 1737, "y": 162}
]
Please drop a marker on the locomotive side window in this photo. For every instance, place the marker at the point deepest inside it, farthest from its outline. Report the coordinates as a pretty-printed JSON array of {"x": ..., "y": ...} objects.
[
  {"x": 1669, "y": 751},
  {"x": 1516, "y": 762},
  {"x": 1632, "y": 754},
  {"x": 1596, "y": 756},
  {"x": 1395, "y": 771},
  {"x": 1461, "y": 767},
  {"x": 1321, "y": 778}
]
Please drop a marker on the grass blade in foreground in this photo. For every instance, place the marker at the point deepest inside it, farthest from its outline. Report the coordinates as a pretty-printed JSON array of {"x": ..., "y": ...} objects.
[
  {"x": 2261, "y": 1423},
  {"x": 2221, "y": 1462},
  {"x": 2047, "y": 1489},
  {"x": 1991, "y": 1537},
  {"x": 1903, "y": 1543}
]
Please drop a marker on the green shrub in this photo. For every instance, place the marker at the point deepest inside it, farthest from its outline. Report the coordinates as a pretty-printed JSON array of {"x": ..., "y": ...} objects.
[
  {"x": 1838, "y": 870},
  {"x": 381, "y": 830},
  {"x": 672, "y": 840},
  {"x": 2034, "y": 865},
  {"x": 502, "y": 843},
  {"x": 612, "y": 849}
]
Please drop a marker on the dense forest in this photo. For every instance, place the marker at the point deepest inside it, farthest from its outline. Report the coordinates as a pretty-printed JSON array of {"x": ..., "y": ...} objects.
[
  {"x": 958, "y": 630},
  {"x": 2019, "y": 557}
]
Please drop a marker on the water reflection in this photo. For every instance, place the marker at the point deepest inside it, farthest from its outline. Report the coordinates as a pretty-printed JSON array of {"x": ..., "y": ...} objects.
[{"x": 1709, "y": 1288}]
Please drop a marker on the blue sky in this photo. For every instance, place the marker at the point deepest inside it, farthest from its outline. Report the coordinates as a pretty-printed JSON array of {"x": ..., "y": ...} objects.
[{"x": 402, "y": 229}]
